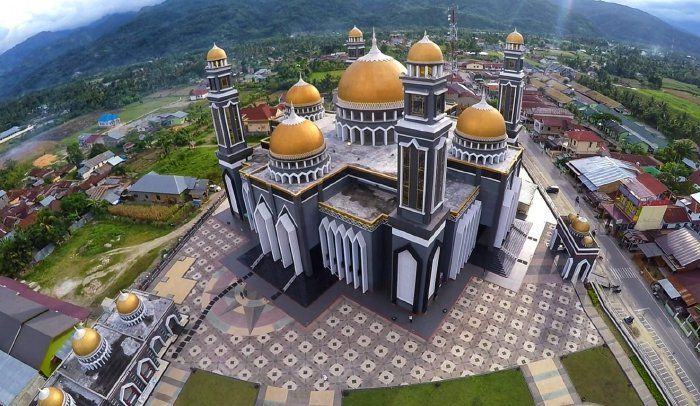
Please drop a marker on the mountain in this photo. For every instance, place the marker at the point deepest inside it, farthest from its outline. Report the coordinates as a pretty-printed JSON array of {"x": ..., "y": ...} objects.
[
  {"x": 177, "y": 26},
  {"x": 692, "y": 27}
]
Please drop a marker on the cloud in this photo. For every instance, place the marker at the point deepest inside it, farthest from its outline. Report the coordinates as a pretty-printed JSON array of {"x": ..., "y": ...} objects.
[
  {"x": 674, "y": 10},
  {"x": 20, "y": 19}
]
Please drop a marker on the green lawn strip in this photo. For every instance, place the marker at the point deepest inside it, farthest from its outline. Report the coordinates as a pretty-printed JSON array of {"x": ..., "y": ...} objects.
[
  {"x": 682, "y": 86},
  {"x": 81, "y": 252},
  {"x": 598, "y": 377},
  {"x": 135, "y": 110},
  {"x": 674, "y": 102},
  {"x": 499, "y": 388},
  {"x": 208, "y": 389},
  {"x": 315, "y": 76},
  {"x": 195, "y": 162},
  {"x": 636, "y": 362}
]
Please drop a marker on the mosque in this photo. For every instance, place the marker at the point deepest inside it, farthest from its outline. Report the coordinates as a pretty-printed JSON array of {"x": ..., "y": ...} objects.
[{"x": 387, "y": 194}]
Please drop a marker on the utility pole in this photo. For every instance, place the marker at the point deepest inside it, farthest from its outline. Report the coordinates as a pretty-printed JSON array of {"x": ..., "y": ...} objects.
[{"x": 452, "y": 35}]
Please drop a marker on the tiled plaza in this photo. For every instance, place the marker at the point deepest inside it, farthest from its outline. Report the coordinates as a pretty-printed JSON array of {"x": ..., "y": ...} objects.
[{"x": 245, "y": 336}]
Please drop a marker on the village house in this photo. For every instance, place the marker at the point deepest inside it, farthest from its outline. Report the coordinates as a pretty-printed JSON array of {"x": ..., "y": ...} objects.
[
  {"x": 583, "y": 143},
  {"x": 256, "y": 119},
  {"x": 89, "y": 166},
  {"x": 168, "y": 189},
  {"x": 108, "y": 120}
]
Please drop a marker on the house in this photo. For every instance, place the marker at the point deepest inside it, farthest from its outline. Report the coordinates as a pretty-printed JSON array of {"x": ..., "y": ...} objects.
[
  {"x": 643, "y": 161},
  {"x": 89, "y": 166},
  {"x": 583, "y": 143},
  {"x": 19, "y": 381},
  {"x": 4, "y": 199},
  {"x": 86, "y": 141},
  {"x": 691, "y": 204},
  {"x": 33, "y": 327},
  {"x": 549, "y": 126},
  {"x": 601, "y": 173},
  {"x": 642, "y": 201},
  {"x": 199, "y": 93},
  {"x": 168, "y": 189},
  {"x": 108, "y": 120},
  {"x": 695, "y": 178},
  {"x": 256, "y": 119},
  {"x": 679, "y": 250},
  {"x": 115, "y": 137},
  {"x": 676, "y": 217},
  {"x": 176, "y": 118},
  {"x": 459, "y": 94}
]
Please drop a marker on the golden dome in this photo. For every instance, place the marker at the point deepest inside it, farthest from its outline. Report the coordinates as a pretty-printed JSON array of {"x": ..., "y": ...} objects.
[
  {"x": 50, "y": 396},
  {"x": 85, "y": 341},
  {"x": 215, "y": 54},
  {"x": 587, "y": 241},
  {"x": 127, "y": 303},
  {"x": 372, "y": 79},
  {"x": 581, "y": 225},
  {"x": 571, "y": 217},
  {"x": 425, "y": 51},
  {"x": 355, "y": 33},
  {"x": 515, "y": 38},
  {"x": 303, "y": 94},
  {"x": 296, "y": 138},
  {"x": 481, "y": 122}
]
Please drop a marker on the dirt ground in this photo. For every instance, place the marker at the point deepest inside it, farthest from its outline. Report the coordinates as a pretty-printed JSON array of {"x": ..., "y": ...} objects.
[{"x": 45, "y": 160}]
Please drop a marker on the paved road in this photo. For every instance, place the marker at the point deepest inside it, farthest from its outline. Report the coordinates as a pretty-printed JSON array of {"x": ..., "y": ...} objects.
[{"x": 621, "y": 269}]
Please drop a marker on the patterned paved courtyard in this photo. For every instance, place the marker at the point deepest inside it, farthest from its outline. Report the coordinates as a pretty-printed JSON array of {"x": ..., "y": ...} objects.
[{"x": 247, "y": 337}]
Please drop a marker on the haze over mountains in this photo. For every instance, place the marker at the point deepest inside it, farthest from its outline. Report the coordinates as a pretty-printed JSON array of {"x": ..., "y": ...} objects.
[{"x": 177, "y": 26}]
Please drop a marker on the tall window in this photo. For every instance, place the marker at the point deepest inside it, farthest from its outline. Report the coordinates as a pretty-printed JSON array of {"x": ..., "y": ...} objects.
[
  {"x": 212, "y": 84},
  {"x": 232, "y": 121},
  {"x": 421, "y": 181},
  {"x": 220, "y": 136},
  {"x": 511, "y": 64},
  {"x": 405, "y": 175},
  {"x": 417, "y": 107},
  {"x": 439, "y": 175},
  {"x": 507, "y": 102},
  {"x": 440, "y": 103},
  {"x": 225, "y": 82}
]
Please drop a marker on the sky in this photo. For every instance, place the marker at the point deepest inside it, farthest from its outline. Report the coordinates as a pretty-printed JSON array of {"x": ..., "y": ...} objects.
[{"x": 20, "y": 19}]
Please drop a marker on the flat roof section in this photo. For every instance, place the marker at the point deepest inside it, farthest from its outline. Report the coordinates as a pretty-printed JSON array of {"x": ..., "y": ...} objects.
[{"x": 362, "y": 200}]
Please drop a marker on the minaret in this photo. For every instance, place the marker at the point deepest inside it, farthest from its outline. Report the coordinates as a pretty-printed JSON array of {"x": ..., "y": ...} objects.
[
  {"x": 355, "y": 45},
  {"x": 228, "y": 126},
  {"x": 511, "y": 84},
  {"x": 422, "y": 166}
]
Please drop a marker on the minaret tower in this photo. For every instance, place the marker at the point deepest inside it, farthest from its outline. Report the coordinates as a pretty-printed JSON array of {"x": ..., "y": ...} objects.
[
  {"x": 355, "y": 45},
  {"x": 422, "y": 163},
  {"x": 511, "y": 84},
  {"x": 225, "y": 112}
]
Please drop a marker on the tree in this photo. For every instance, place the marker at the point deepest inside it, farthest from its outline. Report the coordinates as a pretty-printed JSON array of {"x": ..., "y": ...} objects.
[
  {"x": 97, "y": 149},
  {"x": 49, "y": 228},
  {"x": 75, "y": 205},
  {"x": 16, "y": 254},
  {"x": 75, "y": 155},
  {"x": 639, "y": 148}
]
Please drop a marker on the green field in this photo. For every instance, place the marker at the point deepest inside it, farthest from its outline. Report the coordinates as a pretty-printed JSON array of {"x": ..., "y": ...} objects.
[
  {"x": 200, "y": 162},
  {"x": 498, "y": 388},
  {"x": 681, "y": 86},
  {"x": 598, "y": 378},
  {"x": 208, "y": 389},
  {"x": 689, "y": 104},
  {"x": 316, "y": 76},
  {"x": 135, "y": 110},
  {"x": 81, "y": 254}
]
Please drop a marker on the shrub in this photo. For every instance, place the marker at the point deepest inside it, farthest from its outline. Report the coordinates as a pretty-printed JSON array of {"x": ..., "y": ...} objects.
[{"x": 144, "y": 213}]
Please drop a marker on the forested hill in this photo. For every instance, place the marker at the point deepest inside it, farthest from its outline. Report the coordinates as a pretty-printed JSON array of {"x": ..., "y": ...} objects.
[{"x": 177, "y": 26}]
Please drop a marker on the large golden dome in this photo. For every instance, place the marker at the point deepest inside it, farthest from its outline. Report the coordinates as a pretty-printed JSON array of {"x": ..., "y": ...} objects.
[
  {"x": 127, "y": 303},
  {"x": 425, "y": 51},
  {"x": 515, "y": 38},
  {"x": 215, "y": 54},
  {"x": 50, "y": 396},
  {"x": 481, "y": 122},
  {"x": 581, "y": 225},
  {"x": 85, "y": 341},
  {"x": 296, "y": 138},
  {"x": 355, "y": 33},
  {"x": 303, "y": 94},
  {"x": 372, "y": 79}
]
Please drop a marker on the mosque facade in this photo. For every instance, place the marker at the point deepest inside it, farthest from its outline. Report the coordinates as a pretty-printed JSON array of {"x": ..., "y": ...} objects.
[{"x": 387, "y": 194}]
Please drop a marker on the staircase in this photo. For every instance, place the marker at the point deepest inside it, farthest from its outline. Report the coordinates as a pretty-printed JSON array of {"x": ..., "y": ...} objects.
[{"x": 501, "y": 261}]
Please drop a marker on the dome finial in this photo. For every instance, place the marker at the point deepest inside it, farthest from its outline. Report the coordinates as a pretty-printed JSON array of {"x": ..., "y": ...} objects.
[
  {"x": 425, "y": 33},
  {"x": 374, "y": 38}
]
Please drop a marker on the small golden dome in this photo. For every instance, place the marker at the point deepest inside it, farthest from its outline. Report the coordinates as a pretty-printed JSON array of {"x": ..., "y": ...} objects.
[
  {"x": 581, "y": 225},
  {"x": 50, "y": 396},
  {"x": 127, "y": 303},
  {"x": 372, "y": 79},
  {"x": 515, "y": 38},
  {"x": 303, "y": 94},
  {"x": 85, "y": 341},
  {"x": 425, "y": 51},
  {"x": 587, "y": 241},
  {"x": 215, "y": 54},
  {"x": 296, "y": 138},
  {"x": 481, "y": 122},
  {"x": 355, "y": 33},
  {"x": 571, "y": 217}
]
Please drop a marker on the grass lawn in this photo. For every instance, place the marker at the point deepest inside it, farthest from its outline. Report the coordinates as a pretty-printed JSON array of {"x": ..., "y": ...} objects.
[
  {"x": 498, "y": 388},
  {"x": 681, "y": 101},
  {"x": 208, "y": 389},
  {"x": 135, "y": 110},
  {"x": 197, "y": 162},
  {"x": 598, "y": 378},
  {"x": 127, "y": 277},
  {"x": 81, "y": 253},
  {"x": 681, "y": 86},
  {"x": 321, "y": 75}
]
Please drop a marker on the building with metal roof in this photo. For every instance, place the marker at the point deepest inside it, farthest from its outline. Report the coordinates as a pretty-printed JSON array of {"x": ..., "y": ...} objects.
[
  {"x": 156, "y": 188},
  {"x": 17, "y": 380},
  {"x": 681, "y": 249},
  {"x": 598, "y": 172}
]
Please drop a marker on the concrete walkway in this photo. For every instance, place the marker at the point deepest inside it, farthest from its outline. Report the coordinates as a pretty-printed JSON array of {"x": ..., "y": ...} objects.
[
  {"x": 169, "y": 386},
  {"x": 276, "y": 396},
  {"x": 615, "y": 348},
  {"x": 549, "y": 383}
]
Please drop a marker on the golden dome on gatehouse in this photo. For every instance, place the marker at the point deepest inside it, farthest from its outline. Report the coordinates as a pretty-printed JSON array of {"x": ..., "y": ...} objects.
[
  {"x": 581, "y": 225},
  {"x": 303, "y": 94},
  {"x": 215, "y": 54},
  {"x": 296, "y": 138},
  {"x": 515, "y": 38},
  {"x": 587, "y": 241},
  {"x": 50, "y": 396},
  {"x": 372, "y": 79},
  {"x": 425, "y": 51},
  {"x": 85, "y": 341},
  {"x": 355, "y": 33},
  {"x": 481, "y": 122},
  {"x": 571, "y": 217},
  {"x": 127, "y": 303}
]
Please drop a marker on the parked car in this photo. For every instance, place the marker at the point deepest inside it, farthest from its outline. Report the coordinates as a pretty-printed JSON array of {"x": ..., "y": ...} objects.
[{"x": 552, "y": 189}]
